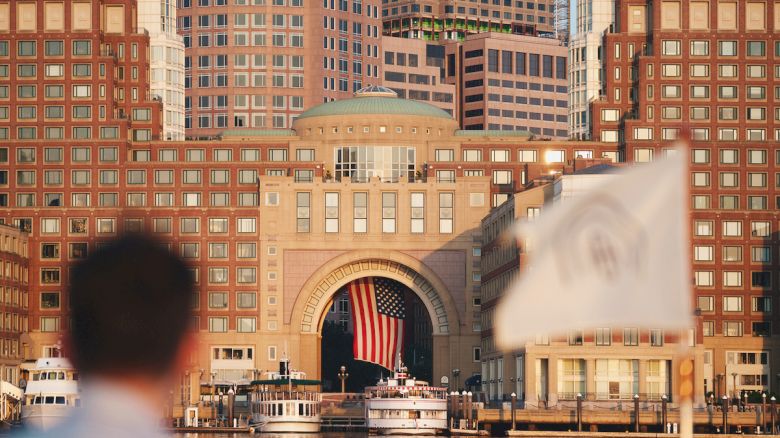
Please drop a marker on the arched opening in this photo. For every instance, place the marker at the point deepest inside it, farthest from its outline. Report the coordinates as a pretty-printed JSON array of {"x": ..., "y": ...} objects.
[
  {"x": 338, "y": 334},
  {"x": 312, "y": 304}
]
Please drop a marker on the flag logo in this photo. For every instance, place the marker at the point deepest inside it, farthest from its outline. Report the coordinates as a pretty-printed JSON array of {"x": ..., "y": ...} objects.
[
  {"x": 378, "y": 313},
  {"x": 606, "y": 240}
]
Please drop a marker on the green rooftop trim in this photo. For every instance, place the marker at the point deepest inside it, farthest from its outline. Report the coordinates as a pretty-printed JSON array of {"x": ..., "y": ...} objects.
[
  {"x": 379, "y": 105},
  {"x": 258, "y": 133},
  {"x": 490, "y": 133}
]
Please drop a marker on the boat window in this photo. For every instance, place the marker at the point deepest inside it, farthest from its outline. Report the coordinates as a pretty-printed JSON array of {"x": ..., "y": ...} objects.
[
  {"x": 75, "y": 376},
  {"x": 61, "y": 376},
  {"x": 77, "y": 402},
  {"x": 49, "y": 399},
  {"x": 60, "y": 400},
  {"x": 300, "y": 409},
  {"x": 37, "y": 400},
  {"x": 35, "y": 376},
  {"x": 43, "y": 376},
  {"x": 52, "y": 375}
]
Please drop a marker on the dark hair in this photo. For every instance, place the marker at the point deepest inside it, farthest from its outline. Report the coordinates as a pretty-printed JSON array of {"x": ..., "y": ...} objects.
[{"x": 130, "y": 304}]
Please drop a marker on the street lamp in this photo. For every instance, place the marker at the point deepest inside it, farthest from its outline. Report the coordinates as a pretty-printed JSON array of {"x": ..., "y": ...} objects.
[
  {"x": 213, "y": 390},
  {"x": 343, "y": 374}
]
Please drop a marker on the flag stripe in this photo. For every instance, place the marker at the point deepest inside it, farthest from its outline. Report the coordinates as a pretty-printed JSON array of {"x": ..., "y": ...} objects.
[{"x": 377, "y": 315}]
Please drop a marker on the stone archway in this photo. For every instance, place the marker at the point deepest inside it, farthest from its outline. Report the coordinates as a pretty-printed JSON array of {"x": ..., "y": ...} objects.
[{"x": 315, "y": 296}]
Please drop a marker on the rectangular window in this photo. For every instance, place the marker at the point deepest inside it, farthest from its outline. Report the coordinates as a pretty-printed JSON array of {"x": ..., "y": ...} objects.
[
  {"x": 303, "y": 212},
  {"x": 418, "y": 212},
  {"x": 446, "y": 208},
  {"x": 360, "y": 212},
  {"x": 388, "y": 212},
  {"x": 331, "y": 212}
]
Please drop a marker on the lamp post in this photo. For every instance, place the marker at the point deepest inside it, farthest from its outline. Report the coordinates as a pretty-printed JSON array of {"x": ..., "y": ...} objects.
[
  {"x": 636, "y": 413},
  {"x": 744, "y": 402},
  {"x": 664, "y": 399},
  {"x": 763, "y": 411},
  {"x": 213, "y": 391},
  {"x": 343, "y": 374},
  {"x": 455, "y": 374},
  {"x": 774, "y": 409},
  {"x": 725, "y": 407},
  {"x": 579, "y": 412}
]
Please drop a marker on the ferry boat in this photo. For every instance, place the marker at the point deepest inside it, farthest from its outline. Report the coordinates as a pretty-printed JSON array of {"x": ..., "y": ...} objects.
[
  {"x": 403, "y": 405},
  {"x": 51, "y": 394},
  {"x": 282, "y": 403}
]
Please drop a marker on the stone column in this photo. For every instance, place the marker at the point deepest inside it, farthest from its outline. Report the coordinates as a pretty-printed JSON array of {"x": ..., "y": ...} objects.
[
  {"x": 590, "y": 378},
  {"x": 552, "y": 379},
  {"x": 642, "y": 376},
  {"x": 530, "y": 379}
]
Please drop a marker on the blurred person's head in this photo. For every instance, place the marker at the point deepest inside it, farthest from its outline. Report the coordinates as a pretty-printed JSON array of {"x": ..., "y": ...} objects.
[{"x": 130, "y": 302}]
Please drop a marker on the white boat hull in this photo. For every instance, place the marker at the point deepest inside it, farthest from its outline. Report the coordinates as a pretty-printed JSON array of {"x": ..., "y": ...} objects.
[
  {"x": 287, "y": 424},
  {"x": 45, "y": 417},
  {"x": 405, "y": 431}
]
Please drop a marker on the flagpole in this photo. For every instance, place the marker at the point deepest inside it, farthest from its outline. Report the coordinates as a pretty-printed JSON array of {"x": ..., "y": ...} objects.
[{"x": 688, "y": 359}]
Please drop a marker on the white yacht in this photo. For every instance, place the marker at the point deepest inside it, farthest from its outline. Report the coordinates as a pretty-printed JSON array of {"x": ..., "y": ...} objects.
[
  {"x": 282, "y": 403},
  {"x": 51, "y": 394},
  {"x": 402, "y": 405}
]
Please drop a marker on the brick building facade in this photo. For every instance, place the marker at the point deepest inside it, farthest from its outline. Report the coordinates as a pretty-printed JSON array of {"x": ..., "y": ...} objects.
[{"x": 710, "y": 70}]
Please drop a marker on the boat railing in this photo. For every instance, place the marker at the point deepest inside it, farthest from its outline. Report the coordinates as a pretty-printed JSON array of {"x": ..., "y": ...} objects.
[{"x": 287, "y": 396}]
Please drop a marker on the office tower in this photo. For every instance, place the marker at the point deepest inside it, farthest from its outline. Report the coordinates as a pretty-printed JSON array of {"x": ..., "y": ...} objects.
[
  {"x": 258, "y": 64},
  {"x": 158, "y": 17},
  {"x": 594, "y": 18}
]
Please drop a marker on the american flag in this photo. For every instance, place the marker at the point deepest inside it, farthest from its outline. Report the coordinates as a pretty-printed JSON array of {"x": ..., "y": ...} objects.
[{"x": 378, "y": 314}]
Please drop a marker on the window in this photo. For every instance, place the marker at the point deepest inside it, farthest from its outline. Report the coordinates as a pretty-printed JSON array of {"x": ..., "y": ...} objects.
[
  {"x": 756, "y": 48},
  {"x": 603, "y": 336},
  {"x": 732, "y": 328},
  {"x": 631, "y": 336},
  {"x": 670, "y": 48},
  {"x": 732, "y": 279},
  {"x": 303, "y": 204},
  {"x": 388, "y": 212},
  {"x": 331, "y": 212},
  {"x": 760, "y": 229},
  {"x": 218, "y": 324},
  {"x": 706, "y": 303},
  {"x": 446, "y": 207},
  {"x": 732, "y": 304},
  {"x": 762, "y": 304},
  {"x": 704, "y": 278},
  {"x": 360, "y": 212},
  {"x": 732, "y": 253}
]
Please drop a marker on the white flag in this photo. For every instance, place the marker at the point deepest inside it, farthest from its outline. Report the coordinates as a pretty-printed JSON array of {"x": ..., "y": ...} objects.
[{"x": 616, "y": 255}]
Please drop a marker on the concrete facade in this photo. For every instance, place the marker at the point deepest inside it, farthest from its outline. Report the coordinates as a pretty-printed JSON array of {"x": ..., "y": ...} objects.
[
  {"x": 415, "y": 70},
  {"x": 511, "y": 82}
]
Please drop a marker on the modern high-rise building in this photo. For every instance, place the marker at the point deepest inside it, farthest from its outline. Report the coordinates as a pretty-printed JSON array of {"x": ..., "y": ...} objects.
[
  {"x": 437, "y": 20},
  {"x": 710, "y": 70},
  {"x": 594, "y": 18},
  {"x": 260, "y": 63},
  {"x": 415, "y": 70},
  {"x": 158, "y": 17},
  {"x": 510, "y": 82},
  {"x": 72, "y": 80}
]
